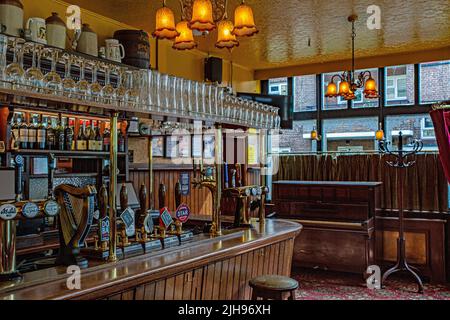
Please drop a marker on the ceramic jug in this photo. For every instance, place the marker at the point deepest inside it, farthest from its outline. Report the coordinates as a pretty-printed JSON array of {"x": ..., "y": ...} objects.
[
  {"x": 88, "y": 41},
  {"x": 56, "y": 31},
  {"x": 36, "y": 30},
  {"x": 11, "y": 17}
]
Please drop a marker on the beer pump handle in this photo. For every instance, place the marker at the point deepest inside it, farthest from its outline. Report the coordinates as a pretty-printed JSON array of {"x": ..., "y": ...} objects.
[
  {"x": 226, "y": 176},
  {"x": 103, "y": 202},
  {"x": 143, "y": 199},
  {"x": 124, "y": 197},
  {"x": 51, "y": 173},
  {"x": 238, "y": 175},
  {"x": 162, "y": 196},
  {"x": 178, "y": 194},
  {"x": 19, "y": 172}
]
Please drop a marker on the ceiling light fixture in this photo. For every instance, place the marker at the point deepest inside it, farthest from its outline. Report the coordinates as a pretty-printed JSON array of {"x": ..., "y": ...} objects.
[
  {"x": 349, "y": 84},
  {"x": 165, "y": 24},
  {"x": 199, "y": 17}
]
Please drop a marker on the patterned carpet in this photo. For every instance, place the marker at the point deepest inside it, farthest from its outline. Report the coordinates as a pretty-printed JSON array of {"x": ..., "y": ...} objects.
[{"x": 325, "y": 285}]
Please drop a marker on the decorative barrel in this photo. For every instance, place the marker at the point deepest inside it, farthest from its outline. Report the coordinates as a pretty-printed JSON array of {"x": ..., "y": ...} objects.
[{"x": 137, "y": 47}]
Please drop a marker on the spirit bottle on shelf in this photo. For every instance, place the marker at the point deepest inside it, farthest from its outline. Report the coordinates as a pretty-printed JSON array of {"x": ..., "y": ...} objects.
[
  {"x": 121, "y": 141},
  {"x": 32, "y": 134},
  {"x": 23, "y": 133},
  {"x": 91, "y": 138},
  {"x": 15, "y": 132},
  {"x": 51, "y": 134},
  {"x": 68, "y": 133},
  {"x": 41, "y": 134},
  {"x": 81, "y": 139},
  {"x": 98, "y": 138},
  {"x": 106, "y": 138},
  {"x": 59, "y": 132}
]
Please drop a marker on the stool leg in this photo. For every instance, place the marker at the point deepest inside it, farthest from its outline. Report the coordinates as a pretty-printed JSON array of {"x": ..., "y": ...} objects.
[
  {"x": 254, "y": 295},
  {"x": 292, "y": 296}
]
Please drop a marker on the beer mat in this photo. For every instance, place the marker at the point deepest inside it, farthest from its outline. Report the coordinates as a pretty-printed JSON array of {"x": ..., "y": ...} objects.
[
  {"x": 170, "y": 241},
  {"x": 186, "y": 236},
  {"x": 153, "y": 245}
]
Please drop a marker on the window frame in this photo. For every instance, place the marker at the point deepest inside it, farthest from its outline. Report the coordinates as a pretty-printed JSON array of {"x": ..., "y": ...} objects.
[{"x": 382, "y": 111}]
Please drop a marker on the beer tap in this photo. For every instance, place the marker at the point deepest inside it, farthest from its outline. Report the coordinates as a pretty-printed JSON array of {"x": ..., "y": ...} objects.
[
  {"x": 10, "y": 213},
  {"x": 103, "y": 221},
  {"x": 144, "y": 222},
  {"x": 122, "y": 228}
]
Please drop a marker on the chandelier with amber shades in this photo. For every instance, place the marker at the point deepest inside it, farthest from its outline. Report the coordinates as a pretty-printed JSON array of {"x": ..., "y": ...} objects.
[
  {"x": 349, "y": 81},
  {"x": 199, "y": 17}
]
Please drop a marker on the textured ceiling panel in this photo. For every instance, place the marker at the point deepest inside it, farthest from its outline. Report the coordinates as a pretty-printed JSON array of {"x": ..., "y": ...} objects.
[{"x": 297, "y": 32}]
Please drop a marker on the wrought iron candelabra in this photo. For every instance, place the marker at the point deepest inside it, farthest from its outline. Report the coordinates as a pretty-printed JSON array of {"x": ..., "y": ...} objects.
[{"x": 401, "y": 163}]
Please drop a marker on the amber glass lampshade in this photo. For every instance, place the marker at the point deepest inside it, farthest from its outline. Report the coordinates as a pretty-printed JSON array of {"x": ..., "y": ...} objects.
[
  {"x": 371, "y": 91},
  {"x": 314, "y": 135},
  {"x": 165, "y": 24},
  {"x": 379, "y": 135},
  {"x": 331, "y": 90},
  {"x": 244, "y": 21},
  {"x": 185, "y": 41},
  {"x": 202, "y": 16},
  {"x": 225, "y": 37},
  {"x": 350, "y": 95},
  {"x": 344, "y": 88}
]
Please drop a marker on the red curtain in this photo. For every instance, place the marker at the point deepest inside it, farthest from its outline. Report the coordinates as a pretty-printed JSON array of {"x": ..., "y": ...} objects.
[{"x": 441, "y": 120}]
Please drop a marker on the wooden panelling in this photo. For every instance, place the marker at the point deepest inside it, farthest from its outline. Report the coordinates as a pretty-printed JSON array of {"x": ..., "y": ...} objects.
[
  {"x": 425, "y": 245},
  {"x": 199, "y": 200},
  {"x": 221, "y": 280}
]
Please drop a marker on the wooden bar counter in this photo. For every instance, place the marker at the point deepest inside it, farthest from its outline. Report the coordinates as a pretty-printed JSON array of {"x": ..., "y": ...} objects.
[{"x": 206, "y": 269}]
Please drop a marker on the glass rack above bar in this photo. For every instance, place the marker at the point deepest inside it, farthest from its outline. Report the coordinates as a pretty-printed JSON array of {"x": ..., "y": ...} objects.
[{"x": 69, "y": 77}]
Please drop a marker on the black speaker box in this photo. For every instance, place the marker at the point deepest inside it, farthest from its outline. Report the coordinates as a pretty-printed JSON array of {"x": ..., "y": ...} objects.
[{"x": 213, "y": 70}]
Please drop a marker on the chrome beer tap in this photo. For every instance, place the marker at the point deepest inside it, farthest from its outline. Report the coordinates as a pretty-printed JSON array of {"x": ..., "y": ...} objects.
[{"x": 10, "y": 213}]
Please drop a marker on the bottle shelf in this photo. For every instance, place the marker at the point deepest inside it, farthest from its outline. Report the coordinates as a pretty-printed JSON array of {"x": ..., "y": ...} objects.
[{"x": 65, "y": 154}]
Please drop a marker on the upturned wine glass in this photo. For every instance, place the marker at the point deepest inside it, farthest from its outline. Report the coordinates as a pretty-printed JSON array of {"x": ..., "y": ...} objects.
[
  {"x": 95, "y": 88},
  {"x": 120, "y": 91},
  {"x": 108, "y": 89},
  {"x": 14, "y": 71},
  {"x": 52, "y": 80},
  {"x": 68, "y": 84},
  {"x": 34, "y": 76},
  {"x": 82, "y": 88}
]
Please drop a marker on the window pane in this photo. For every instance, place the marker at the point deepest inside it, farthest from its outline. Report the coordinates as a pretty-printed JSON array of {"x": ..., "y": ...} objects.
[
  {"x": 297, "y": 140},
  {"x": 413, "y": 127},
  {"x": 361, "y": 101},
  {"x": 400, "y": 85},
  {"x": 305, "y": 93},
  {"x": 278, "y": 86},
  {"x": 435, "y": 82},
  {"x": 350, "y": 135},
  {"x": 332, "y": 103}
]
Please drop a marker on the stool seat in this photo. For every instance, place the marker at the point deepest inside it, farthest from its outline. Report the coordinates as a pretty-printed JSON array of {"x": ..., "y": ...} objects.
[{"x": 273, "y": 287}]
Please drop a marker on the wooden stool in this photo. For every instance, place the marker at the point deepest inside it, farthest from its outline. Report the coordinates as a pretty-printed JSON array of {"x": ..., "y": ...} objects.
[{"x": 273, "y": 288}]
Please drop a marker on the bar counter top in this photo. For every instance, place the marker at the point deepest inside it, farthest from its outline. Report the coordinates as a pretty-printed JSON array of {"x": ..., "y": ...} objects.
[{"x": 132, "y": 275}]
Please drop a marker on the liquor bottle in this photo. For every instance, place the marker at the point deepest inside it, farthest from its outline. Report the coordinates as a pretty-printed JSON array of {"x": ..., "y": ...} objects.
[
  {"x": 32, "y": 134},
  {"x": 81, "y": 139},
  {"x": 23, "y": 134},
  {"x": 106, "y": 138},
  {"x": 121, "y": 141},
  {"x": 41, "y": 135},
  {"x": 91, "y": 138},
  {"x": 68, "y": 133},
  {"x": 51, "y": 134},
  {"x": 15, "y": 132},
  {"x": 98, "y": 138},
  {"x": 59, "y": 132}
]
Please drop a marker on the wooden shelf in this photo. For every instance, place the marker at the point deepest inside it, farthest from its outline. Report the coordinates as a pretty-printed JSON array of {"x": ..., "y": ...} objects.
[{"x": 63, "y": 154}]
